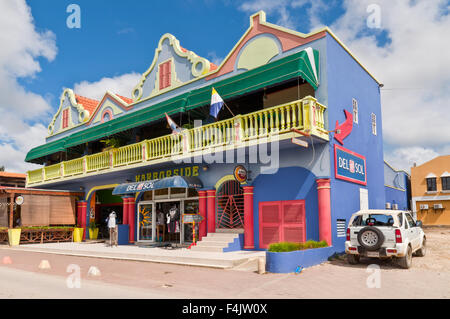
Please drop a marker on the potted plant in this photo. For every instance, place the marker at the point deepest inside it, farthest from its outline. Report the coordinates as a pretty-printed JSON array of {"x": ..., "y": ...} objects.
[
  {"x": 78, "y": 234},
  {"x": 93, "y": 230},
  {"x": 111, "y": 143}
]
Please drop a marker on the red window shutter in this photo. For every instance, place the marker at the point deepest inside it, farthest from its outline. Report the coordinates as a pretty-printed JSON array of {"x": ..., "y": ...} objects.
[
  {"x": 281, "y": 221},
  {"x": 168, "y": 74},
  {"x": 293, "y": 221},
  {"x": 164, "y": 75},
  {"x": 65, "y": 119},
  {"x": 270, "y": 220}
]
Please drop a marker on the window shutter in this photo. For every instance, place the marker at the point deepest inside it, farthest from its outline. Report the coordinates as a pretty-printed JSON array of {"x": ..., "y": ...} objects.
[
  {"x": 168, "y": 74},
  {"x": 270, "y": 219},
  {"x": 293, "y": 221},
  {"x": 165, "y": 75},
  {"x": 65, "y": 118}
]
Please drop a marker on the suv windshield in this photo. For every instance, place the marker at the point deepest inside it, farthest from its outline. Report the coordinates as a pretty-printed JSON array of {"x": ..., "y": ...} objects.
[{"x": 374, "y": 220}]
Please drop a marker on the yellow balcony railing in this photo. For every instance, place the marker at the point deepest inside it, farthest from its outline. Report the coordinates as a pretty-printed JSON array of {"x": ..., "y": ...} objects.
[
  {"x": 169, "y": 145},
  {"x": 52, "y": 172},
  {"x": 306, "y": 115},
  {"x": 73, "y": 167},
  {"x": 211, "y": 135},
  {"x": 35, "y": 176},
  {"x": 98, "y": 161},
  {"x": 126, "y": 155}
]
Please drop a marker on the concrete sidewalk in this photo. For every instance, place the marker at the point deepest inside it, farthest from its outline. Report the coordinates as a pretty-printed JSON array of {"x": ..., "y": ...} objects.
[{"x": 237, "y": 260}]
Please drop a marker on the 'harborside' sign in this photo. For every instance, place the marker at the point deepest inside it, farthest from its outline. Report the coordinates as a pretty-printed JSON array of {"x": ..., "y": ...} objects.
[{"x": 349, "y": 166}]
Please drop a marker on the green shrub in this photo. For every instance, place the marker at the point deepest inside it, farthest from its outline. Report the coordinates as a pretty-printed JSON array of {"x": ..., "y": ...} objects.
[{"x": 288, "y": 246}]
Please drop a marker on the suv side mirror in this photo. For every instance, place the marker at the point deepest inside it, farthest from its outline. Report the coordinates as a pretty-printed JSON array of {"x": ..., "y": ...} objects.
[{"x": 419, "y": 224}]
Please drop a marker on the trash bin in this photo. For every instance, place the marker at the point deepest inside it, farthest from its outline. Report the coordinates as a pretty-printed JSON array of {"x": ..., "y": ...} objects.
[{"x": 123, "y": 234}]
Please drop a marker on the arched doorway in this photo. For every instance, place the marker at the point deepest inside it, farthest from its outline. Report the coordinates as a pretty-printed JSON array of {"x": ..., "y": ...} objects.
[{"x": 230, "y": 205}]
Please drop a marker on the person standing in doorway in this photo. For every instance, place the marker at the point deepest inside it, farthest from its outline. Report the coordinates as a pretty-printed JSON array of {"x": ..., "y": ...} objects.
[{"x": 112, "y": 225}]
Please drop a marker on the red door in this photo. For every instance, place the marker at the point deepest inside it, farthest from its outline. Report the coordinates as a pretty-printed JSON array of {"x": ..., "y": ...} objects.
[{"x": 281, "y": 221}]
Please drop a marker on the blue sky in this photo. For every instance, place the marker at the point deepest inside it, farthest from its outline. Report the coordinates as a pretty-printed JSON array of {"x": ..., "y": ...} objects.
[{"x": 117, "y": 39}]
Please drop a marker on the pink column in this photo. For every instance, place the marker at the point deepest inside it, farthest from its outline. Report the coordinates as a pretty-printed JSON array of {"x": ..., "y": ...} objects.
[
  {"x": 323, "y": 194},
  {"x": 249, "y": 242},
  {"x": 202, "y": 211},
  {"x": 211, "y": 210},
  {"x": 131, "y": 208},
  {"x": 125, "y": 210},
  {"x": 83, "y": 207}
]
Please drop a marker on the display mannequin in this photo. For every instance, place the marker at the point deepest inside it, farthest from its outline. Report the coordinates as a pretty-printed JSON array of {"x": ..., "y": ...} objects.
[{"x": 173, "y": 218}]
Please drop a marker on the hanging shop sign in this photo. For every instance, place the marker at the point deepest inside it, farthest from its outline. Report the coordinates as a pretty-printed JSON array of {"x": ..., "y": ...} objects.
[
  {"x": 240, "y": 174},
  {"x": 181, "y": 171},
  {"x": 192, "y": 218},
  {"x": 349, "y": 166}
]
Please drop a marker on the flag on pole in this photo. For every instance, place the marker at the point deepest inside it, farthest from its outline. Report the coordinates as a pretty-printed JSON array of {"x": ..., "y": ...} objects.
[
  {"x": 216, "y": 103},
  {"x": 175, "y": 128}
]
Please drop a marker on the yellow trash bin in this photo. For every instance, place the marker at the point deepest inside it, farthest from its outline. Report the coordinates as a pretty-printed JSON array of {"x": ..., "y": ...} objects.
[
  {"x": 78, "y": 234},
  {"x": 14, "y": 236}
]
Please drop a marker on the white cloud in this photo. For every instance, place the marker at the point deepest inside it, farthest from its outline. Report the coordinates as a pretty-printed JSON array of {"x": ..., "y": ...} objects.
[
  {"x": 19, "y": 108},
  {"x": 415, "y": 68},
  {"x": 122, "y": 85},
  {"x": 405, "y": 157}
]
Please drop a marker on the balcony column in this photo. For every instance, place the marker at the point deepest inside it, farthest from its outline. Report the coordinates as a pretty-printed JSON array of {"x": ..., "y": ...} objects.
[
  {"x": 249, "y": 241},
  {"x": 131, "y": 218},
  {"x": 323, "y": 194},
  {"x": 202, "y": 211},
  {"x": 211, "y": 210}
]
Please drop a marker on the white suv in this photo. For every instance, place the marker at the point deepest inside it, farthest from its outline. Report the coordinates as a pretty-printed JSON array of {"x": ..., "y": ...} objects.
[{"x": 384, "y": 234}]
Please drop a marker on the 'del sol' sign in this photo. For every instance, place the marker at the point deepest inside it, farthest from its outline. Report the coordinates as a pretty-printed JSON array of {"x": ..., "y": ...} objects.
[{"x": 349, "y": 166}]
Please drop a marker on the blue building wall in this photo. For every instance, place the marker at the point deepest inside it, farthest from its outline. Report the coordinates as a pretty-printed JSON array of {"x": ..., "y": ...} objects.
[
  {"x": 289, "y": 183},
  {"x": 347, "y": 80}
]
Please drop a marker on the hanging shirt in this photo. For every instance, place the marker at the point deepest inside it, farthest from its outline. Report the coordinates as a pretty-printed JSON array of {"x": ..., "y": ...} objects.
[{"x": 112, "y": 220}]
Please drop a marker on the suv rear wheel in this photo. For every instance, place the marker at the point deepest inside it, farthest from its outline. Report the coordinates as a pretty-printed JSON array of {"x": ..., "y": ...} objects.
[
  {"x": 406, "y": 261},
  {"x": 353, "y": 259}
]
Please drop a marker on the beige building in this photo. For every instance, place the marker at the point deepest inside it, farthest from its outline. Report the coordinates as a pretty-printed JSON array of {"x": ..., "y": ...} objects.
[{"x": 430, "y": 188}]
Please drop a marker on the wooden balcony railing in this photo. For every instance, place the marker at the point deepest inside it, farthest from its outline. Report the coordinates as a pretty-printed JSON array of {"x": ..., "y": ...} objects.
[{"x": 305, "y": 114}]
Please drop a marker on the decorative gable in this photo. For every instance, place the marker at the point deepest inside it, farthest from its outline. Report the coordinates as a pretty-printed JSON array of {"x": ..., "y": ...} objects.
[
  {"x": 172, "y": 67},
  {"x": 74, "y": 110},
  {"x": 109, "y": 107},
  {"x": 262, "y": 42}
]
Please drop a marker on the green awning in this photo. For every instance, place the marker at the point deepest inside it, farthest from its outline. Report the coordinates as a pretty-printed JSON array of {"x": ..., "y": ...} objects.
[
  {"x": 304, "y": 64},
  {"x": 46, "y": 149}
]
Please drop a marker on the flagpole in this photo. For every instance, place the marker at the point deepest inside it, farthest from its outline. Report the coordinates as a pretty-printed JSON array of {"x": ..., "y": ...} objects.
[{"x": 228, "y": 108}]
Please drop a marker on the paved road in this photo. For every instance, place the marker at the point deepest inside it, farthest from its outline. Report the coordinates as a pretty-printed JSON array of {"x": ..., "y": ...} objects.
[{"x": 429, "y": 278}]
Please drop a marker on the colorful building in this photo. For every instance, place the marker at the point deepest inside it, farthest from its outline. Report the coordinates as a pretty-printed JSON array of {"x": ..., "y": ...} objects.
[
  {"x": 430, "y": 183},
  {"x": 397, "y": 185},
  {"x": 295, "y": 151}
]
